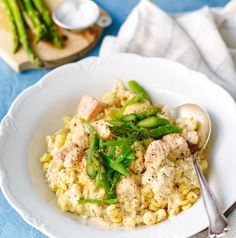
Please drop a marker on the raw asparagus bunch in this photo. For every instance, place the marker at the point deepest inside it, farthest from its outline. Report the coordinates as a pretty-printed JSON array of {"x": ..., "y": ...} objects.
[
  {"x": 48, "y": 21},
  {"x": 30, "y": 17},
  {"x": 22, "y": 32}
]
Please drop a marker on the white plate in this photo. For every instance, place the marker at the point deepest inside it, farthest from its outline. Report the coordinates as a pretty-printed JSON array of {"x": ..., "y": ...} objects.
[{"x": 37, "y": 112}]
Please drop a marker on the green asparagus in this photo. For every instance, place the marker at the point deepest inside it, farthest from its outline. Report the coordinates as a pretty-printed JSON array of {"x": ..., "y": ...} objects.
[
  {"x": 129, "y": 131},
  {"x": 128, "y": 160},
  {"x": 138, "y": 89},
  {"x": 91, "y": 170},
  {"x": 161, "y": 131},
  {"x": 117, "y": 166},
  {"x": 151, "y": 111},
  {"x": 49, "y": 23},
  {"x": 119, "y": 142},
  {"x": 129, "y": 117},
  {"x": 105, "y": 183},
  {"x": 125, "y": 151},
  {"x": 151, "y": 122},
  {"x": 27, "y": 19},
  {"x": 15, "y": 36},
  {"x": 115, "y": 180},
  {"x": 40, "y": 29},
  {"x": 90, "y": 167},
  {"x": 22, "y": 33}
]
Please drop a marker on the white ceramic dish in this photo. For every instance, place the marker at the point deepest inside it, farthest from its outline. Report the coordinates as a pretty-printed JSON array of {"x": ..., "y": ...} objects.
[
  {"x": 37, "y": 112},
  {"x": 76, "y": 15}
]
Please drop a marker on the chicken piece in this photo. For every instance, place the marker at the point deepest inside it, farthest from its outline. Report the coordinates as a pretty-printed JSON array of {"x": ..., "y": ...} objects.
[
  {"x": 156, "y": 154},
  {"x": 70, "y": 153},
  {"x": 137, "y": 108},
  {"x": 171, "y": 147},
  {"x": 102, "y": 128},
  {"x": 89, "y": 108},
  {"x": 178, "y": 146},
  {"x": 159, "y": 162}
]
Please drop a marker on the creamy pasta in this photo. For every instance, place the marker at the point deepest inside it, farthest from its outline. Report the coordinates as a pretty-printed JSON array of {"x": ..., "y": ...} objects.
[{"x": 153, "y": 181}]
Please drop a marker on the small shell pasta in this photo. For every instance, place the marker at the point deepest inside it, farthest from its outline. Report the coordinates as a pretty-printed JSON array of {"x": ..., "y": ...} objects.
[
  {"x": 192, "y": 197},
  {"x": 60, "y": 140},
  {"x": 162, "y": 181},
  {"x": 149, "y": 218},
  {"x": 161, "y": 215}
]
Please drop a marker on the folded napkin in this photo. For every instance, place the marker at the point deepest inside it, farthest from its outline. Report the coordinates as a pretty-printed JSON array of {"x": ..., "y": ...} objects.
[{"x": 203, "y": 40}]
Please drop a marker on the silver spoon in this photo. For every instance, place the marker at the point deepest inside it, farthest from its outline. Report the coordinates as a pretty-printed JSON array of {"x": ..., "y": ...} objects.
[{"x": 217, "y": 221}]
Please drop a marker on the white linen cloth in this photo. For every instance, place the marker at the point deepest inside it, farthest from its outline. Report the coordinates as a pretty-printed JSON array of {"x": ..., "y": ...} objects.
[{"x": 203, "y": 40}]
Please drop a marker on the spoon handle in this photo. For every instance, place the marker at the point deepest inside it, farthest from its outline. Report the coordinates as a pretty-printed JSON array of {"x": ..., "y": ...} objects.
[{"x": 217, "y": 221}]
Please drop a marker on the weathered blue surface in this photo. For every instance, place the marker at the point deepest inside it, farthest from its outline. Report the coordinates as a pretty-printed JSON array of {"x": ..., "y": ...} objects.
[{"x": 11, "y": 84}]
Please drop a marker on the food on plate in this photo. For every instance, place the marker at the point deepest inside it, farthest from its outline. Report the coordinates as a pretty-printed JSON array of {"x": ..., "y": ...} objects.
[
  {"x": 35, "y": 15},
  {"x": 123, "y": 160}
]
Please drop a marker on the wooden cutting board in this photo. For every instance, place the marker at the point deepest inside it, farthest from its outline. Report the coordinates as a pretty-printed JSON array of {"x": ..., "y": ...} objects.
[{"x": 76, "y": 45}]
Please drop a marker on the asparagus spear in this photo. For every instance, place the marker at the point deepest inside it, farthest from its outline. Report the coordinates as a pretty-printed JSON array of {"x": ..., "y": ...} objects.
[
  {"x": 119, "y": 167},
  {"x": 161, "y": 131},
  {"x": 48, "y": 21},
  {"x": 137, "y": 88},
  {"x": 16, "y": 42},
  {"x": 153, "y": 121},
  {"x": 40, "y": 29},
  {"x": 27, "y": 19},
  {"x": 22, "y": 33},
  {"x": 90, "y": 167}
]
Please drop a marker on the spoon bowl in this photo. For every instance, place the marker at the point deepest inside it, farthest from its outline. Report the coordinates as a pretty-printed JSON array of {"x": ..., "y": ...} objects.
[{"x": 191, "y": 110}]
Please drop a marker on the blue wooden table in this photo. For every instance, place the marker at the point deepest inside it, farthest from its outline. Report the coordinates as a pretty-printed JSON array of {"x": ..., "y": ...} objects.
[{"x": 11, "y": 84}]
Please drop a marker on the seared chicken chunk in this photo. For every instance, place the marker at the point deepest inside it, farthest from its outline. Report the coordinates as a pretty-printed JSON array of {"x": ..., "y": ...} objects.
[
  {"x": 156, "y": 154},
  {"x": 171, "y": 147},
  {"x": 159, "y": 161},
  {"x": 70, "y": 153},
  {"x": 178, "y": 146},
  {"x": 89, "y": 108}
]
